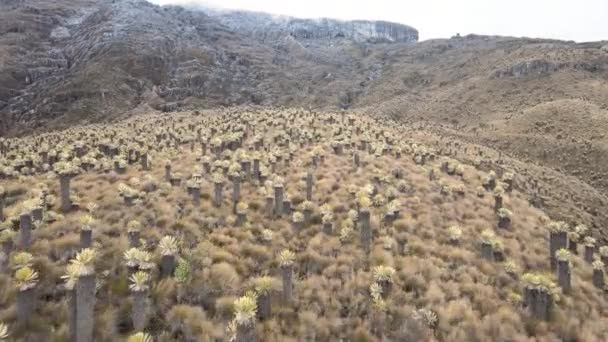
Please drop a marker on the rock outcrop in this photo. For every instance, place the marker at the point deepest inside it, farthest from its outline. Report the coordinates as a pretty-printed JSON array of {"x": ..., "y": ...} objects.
[{"x": 271, "y": 27}]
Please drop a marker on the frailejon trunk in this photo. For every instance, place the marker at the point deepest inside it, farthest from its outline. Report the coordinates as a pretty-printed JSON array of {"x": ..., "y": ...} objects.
[
  {"x": 25, "y": 231},
  {"x": 278, "y": 201},
  {"x": 72, "y": 313},
  {"x": 264, "y": 308},
  {"x": 573, "y": 247},
  {"x": 133, "y": 238},
  {"x": 1, "y": 208},
  {"x": 167, "y": 265},
  {"x": 236, "y": 190},
  {"x": 85, "y": 305},
  {"x": 86, "y": 238},
  {"x": 287, "y": 285},
  {"x": 37, "y": 214},
  {"x": 139, "y": 311},
  {"x": 589, "y": 250},
  {"x": 557, "y": 240},
  {"x": 66, "y": 203},
  {"x": 309, "y": 186},
  {"x": 497, "y": 203},
  {"x": 144, "y": 162},
  {"x": 217, "y": 199},
  {"x": 366, "y": 232},
  {"x": 241, "y": 218},
  {"x": 542, "y": 303},
  {"x": 168, "y": 173},
  {"x": 196, "y": 196},
  {"x": 486, "y": 251},
  {"x": 598, "y": 278},
  {"x": 7, "y": 247},
  {"x": 307, "y": 217},
  {"x": 269, "y": 206},
  {"x": 327, "y": 228},
  {"x": 563, "y": 275},
  {"x": 245, "y": 333},
  {"x": 256, "y": 168},
  {"x": 26, "y": 305}
]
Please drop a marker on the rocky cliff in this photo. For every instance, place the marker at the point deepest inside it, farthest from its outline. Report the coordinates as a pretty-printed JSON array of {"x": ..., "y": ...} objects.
[{"x": 271, "y": 27}]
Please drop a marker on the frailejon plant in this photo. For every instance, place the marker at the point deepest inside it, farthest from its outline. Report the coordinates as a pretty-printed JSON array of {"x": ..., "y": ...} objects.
[
  {"x": 86, "y": 231},
  {"x": 85, "y": 293},
  {"x": 598, "y": 274},
  {"x": 264, "y": 286},
  {"x": 286, "y": 262},
  {"x": 539, "y": 295},
  {"x": 563, "y": 269},
  {"x": 139, "y": 286},
  {"x": 169, "y": 248},
  {"x": 558, "y": 239},
  {"x": 589, "y": 245},
  {"x": 26, "y": 280},
  {"x": 140, "y": 337},
  {"x": 245, "y": 309},
  {"x": 133, "y": 233},
  {"x": 383, "y": 275}
]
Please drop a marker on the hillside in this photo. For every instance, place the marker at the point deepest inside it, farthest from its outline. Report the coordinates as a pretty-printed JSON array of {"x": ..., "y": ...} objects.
[
  {"x": 286, "y": 179},
  {"x": 284, "y": 226}
]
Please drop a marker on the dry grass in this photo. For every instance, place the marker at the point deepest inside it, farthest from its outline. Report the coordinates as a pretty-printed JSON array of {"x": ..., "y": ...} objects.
[{"x": 441, "y": 290}]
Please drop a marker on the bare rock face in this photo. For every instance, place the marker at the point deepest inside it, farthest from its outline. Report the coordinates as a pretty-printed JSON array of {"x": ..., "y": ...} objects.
[{"x": 265, "y": 26}]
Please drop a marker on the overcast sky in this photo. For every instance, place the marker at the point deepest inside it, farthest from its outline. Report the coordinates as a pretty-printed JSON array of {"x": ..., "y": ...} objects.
[{"x": 582, "y": 20}]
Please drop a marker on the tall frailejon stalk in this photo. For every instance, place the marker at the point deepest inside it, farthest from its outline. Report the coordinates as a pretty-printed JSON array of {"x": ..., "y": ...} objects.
[
  {"x": 286, "y": 262},
  {"x": 328, "y": 223},
  {"x": 218, "y": 183},
  {"x": 278, "y": 196},
  {"x": 86, "y": 231},
  {"x": 133, "y": 233},
  {"x": 71, "y": 278},
  {"x": 167, "y": 170},
  {"x": 85, "y": 294},
  {"x": 563, "y": 270},
  {"x": 589, "y": 249},
  {"x": 25, "y": 230},
  {"x": 236, "y": 188},
  {"x": 383, "y": 276},
  {"x": 264, "y": 286},
  {"x": 366, "y": 231},
  {"x": 309, "y": 185},
  {"x": 504, "y": 218},
  {"x": 6, "y": 247},
  {"x": 140, "y": 284},
  {"x": 241, "y": 213},
  {"x": 26, "y": 280},
  {"x": 297, "y": 221},
  {"x": 307, "y": 208},
  {"x": 66, "y": 172},
  {"x": 538, "y": 295},
  {"x": 245, "y": 309},
  {"x": 598, "y": 274},
  {"x": 558, "y": 239},
  {"x": 169, "y": 248},
  {"x": 145, "y": 161},
  {"x": 195, "y": 192}
]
